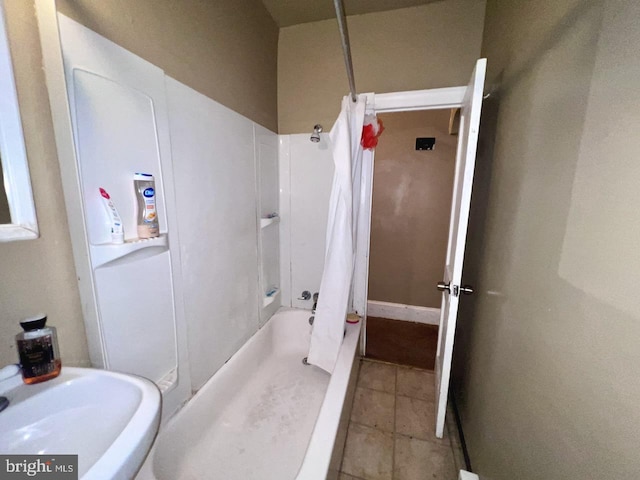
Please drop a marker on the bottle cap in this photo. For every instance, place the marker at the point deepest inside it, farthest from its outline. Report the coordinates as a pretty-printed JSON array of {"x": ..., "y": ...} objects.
[
  {"x": 34, "y": 323},
  {"x": 142, "y": 176},
  {"x": 117, "y": 238}
]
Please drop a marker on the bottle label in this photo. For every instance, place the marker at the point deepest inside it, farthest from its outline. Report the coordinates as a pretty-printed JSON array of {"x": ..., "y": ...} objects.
[
  {"x": 37, "y": 356},
  {"x": 149, "y": 215}
]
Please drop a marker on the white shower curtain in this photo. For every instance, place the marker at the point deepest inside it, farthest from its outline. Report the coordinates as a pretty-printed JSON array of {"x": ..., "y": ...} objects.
[{"x": 335, "y": 288}]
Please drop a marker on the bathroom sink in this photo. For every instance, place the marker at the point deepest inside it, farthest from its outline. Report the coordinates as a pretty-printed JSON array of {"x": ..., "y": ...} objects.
[{"x": 108, "y": 419}]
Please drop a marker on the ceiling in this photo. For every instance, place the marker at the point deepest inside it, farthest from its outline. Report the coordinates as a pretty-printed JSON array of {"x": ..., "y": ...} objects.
[{"x": 293, "y": 12}]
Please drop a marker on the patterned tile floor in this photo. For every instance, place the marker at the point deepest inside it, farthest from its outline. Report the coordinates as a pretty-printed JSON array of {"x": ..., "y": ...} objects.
[{"x": 391, "y": 431}]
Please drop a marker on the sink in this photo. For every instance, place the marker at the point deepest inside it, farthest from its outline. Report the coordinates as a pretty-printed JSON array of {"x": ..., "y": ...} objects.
[{"x": 108, "y": 419}]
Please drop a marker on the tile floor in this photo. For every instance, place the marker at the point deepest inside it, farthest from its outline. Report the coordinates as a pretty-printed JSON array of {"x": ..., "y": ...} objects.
[{"x": 391, "y": 432}]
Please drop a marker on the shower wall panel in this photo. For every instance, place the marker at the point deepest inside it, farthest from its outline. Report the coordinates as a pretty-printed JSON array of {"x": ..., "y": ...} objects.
[
  {"x": 216, "y": 175},
  {"x": 216, "y": 194},
  {"x": 269, "y": 216},
  {"x": 308, "y": 167},
  {"x": 131, "y": 292}
]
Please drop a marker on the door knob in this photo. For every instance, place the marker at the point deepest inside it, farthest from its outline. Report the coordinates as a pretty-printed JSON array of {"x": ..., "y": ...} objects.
[
  {"x": 466, "y": 289},
  {"x": 443, "y": 287}
]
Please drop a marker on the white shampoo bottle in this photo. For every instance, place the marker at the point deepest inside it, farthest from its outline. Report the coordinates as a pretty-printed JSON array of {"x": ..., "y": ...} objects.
[{"x": 117, "y": 230}]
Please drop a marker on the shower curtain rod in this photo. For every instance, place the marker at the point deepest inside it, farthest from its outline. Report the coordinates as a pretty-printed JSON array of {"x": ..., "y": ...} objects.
[{"x": 346, "y": 47}]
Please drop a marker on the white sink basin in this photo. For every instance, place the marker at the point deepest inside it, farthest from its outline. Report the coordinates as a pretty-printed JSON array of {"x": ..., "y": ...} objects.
[{"x": 108, "y": 419}]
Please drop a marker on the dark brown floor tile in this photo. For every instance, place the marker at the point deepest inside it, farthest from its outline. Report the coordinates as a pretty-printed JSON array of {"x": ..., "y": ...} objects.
[{"x": 405, "y": 343}]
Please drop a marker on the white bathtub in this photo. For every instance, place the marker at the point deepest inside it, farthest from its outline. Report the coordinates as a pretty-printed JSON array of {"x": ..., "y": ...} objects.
[{"x": 264, "y": 415}]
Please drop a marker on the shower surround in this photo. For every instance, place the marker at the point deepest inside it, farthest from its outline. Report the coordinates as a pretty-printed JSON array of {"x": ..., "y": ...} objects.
[{"x": 220, "y": 172}]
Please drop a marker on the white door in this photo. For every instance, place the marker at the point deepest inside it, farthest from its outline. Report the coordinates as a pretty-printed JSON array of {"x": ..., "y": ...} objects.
[{"x": 452, "y": 283}]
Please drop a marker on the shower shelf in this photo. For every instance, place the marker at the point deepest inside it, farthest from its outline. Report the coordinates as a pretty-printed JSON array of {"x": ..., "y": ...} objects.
[
  {"x": 110, "y": 253},
  {"x": 268, "y": 300},
  {"x": 265, "y": 222}
]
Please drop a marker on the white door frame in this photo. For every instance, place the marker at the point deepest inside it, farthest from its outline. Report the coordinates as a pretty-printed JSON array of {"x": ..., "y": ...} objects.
[{"x": 432, "y": 99}]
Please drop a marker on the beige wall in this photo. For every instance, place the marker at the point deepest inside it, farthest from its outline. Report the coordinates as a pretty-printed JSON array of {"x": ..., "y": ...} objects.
[
  {"x": 547, "y": 362},
  {"x": 435, "y": 45},
  {"x": 411, "y": 208},
  {"x": 38, "y": 275},
  {"x": 225, "y": 49}
]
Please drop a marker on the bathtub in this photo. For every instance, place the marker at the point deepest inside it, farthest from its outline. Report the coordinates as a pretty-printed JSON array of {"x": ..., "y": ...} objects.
[{"x": 264, "y": 415}]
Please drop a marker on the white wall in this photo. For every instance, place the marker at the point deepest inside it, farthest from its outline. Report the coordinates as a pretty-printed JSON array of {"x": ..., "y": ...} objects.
[
  {"x": 306, "y": 174},
  {"x": 216, "y": 172},
  {"x": 131, "y": 293},
  {"x": 216, "y": 192}
]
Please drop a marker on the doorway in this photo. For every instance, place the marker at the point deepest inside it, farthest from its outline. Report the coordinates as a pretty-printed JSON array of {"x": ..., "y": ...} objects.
[{"x": 411, "y": 206}]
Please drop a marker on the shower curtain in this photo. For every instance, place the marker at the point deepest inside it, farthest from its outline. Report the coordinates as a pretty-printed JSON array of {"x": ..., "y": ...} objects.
[{"x": 335, "y": 287}]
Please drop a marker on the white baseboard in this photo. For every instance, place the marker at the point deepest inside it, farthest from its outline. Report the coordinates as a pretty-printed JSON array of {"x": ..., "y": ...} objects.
[
  {"x": 399, "y": 311},
  {"x": 464, "y": 475}
]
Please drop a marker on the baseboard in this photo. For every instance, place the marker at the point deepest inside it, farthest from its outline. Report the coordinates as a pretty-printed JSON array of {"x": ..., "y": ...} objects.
[
  {"x": 464, "y": 475},
  {"x": 399, "y": 311},
  {"x": 465, "y": 451}
]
